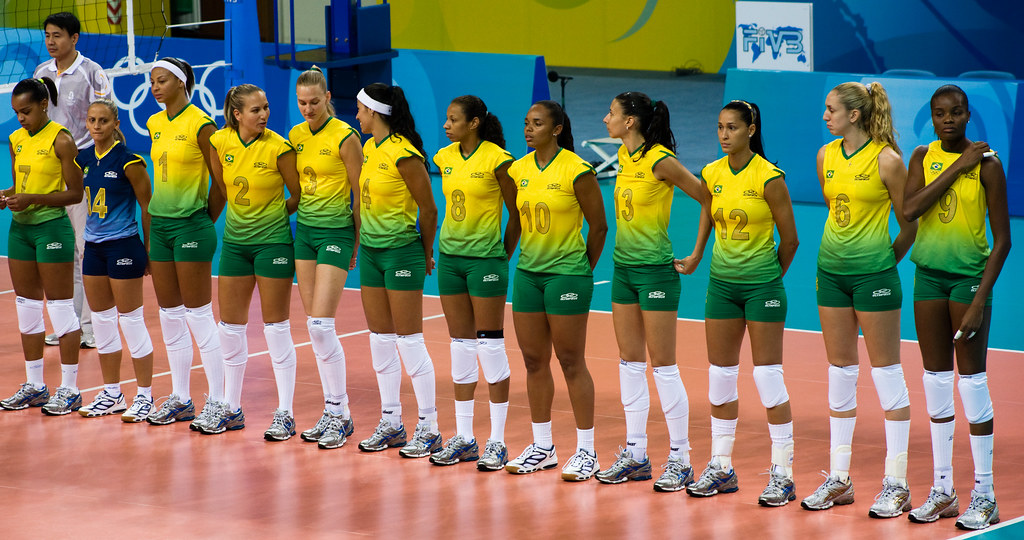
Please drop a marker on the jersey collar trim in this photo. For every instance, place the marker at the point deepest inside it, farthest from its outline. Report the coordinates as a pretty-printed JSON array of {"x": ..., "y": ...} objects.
[
  {"x": 40, "y": 130},
  {"x": 105, "y": 152},
  {"x": 745, "y": 165},
  {"x": 247, "y": 145},
  {"x": 183, "y": 109},
  {"x": 321, "y": 128},
  {"x": 553, "y": 158},
  {"x": 466, "y": 158},
  {"x": 855, "y": 152}
]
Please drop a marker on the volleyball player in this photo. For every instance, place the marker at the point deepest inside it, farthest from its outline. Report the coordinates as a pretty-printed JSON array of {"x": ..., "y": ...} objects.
[
  {"x": 645, "y": 286},
  {"x": 952, "y": 184},
  {"x": 862, "y": 177},
  {"x": 472, "y": 272},
  {"x": 554, "y": 284},
  {"x": 328, "y": 154},
  {"x": 749, "y": 199},
  {"x": 41, "y": 244},
  {"x": 115, "y": 261},
  {"x": 183, "y": 240},
  {"x": 396, "y": 257},
  {"x": 253, "y": 166}
]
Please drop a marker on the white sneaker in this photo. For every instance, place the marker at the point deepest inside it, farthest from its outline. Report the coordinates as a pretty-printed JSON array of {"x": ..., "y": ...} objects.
[
  {"x": 103, "y": 405},
  {"x": 533, "y": 459},
  {"x": 581, "y": 466},
  {"x": 140, "y": 409}
]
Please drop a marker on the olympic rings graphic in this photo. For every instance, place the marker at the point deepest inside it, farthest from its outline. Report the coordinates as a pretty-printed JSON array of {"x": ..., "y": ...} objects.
[{"x": 207, "y": 98}]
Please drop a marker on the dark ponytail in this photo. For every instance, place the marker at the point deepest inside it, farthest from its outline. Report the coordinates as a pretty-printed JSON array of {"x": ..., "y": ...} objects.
[
  {"x": 39, "y": 90},
  {"x": 559, "y": 118},
  {"x": 190, "y": 77},
  {"x": 751, "y": 115},
  {"x": 653, "y": 117},
  {"x": 490, "y": 127},
  {"x": 400, "y": 121}
]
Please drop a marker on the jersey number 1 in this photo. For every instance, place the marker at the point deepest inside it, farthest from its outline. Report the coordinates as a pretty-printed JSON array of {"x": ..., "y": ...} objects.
[{"x": 99, "y": 205}]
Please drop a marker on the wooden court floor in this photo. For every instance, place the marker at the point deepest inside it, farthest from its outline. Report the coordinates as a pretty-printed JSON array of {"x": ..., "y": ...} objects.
[{"x": 93, "y": 478}]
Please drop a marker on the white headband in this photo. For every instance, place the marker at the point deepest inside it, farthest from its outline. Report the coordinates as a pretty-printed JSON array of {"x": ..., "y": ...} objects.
[
  {"x": 175, "y": 70},
  {"x": 373, "y": 104}
]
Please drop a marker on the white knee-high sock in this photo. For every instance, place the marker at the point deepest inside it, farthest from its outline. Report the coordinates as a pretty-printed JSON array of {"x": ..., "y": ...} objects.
[
  {"x": 384, "y": 353},
  {"x": 676, "y": 406},
  {"x": 235, "y": 347},
  {"x": 420, "y": 368},
  {"x": 282, "y": 356},
  {"x": 330, "y": 357},
  {"x": 179, "y": 349},
  {"x": 204, "y": 330},
  {"x": 636, "y": 402}
]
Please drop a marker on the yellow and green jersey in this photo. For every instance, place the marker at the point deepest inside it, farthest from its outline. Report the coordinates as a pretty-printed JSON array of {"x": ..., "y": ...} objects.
[
  {"x": 37, "y": 169},
  {"x": 550, "y": 214},
  {"x": 181, "y": 177},
  {"x": 744, "y": 249},
  {"x": 856, "y": 238},
  {"x": 643, "y": 205},
  {"x": 387, "y": 211},
  {"x": 951, "y": 234},
  {"x": 472, "y": 222},
  {"x": 326, "y": 188},
  {"x": 256, "y": 212}
]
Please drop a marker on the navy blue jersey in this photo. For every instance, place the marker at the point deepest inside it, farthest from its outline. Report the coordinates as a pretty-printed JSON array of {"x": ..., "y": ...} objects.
[{"x": 109, "y": 194}]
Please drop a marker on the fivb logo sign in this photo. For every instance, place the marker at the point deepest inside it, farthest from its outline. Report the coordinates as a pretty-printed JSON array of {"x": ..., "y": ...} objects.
[{"x": 774, "y": 35}]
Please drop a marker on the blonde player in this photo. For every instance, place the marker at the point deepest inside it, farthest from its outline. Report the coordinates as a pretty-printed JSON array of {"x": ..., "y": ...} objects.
[
  {"x": 645, "y": 287},
  {"x": 862, "y": 177},
  {"x": 472, "y": 273},
  {"x": 393, "y": 189},
  {"x": 253, "y": 166},
  {"x": 329, "y": 157},
  {"x": 749, "y": 199}
]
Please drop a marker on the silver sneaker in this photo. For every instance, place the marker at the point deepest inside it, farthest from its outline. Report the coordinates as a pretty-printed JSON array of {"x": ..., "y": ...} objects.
[
  {"x": 891, "y": 502},
  {"x": 103, "y": 405},
  {"x": 581, "y": 466},
  {"x": 313, "y": 434},
  {"x": 981, "y": 513},
  {"x": 336, "y": 433},
  {"x": 939, "y": 505},
  {"x": 26, "y": 396},
  {"x": 172, "y": 410},
  {"x": 455, "y": 450},
  {"x": 779, "y": 491},
  {"x": 713, "y": 481},
  {"x": 282, "y": 427},
  {"x": 625, "y": 468},
  {"x": 677, "y": 476},
  {"x": 204, "y": 416},
  {"x": 832, "y": 491},
  {"x": 140, "y": 409},
  {"x": 384, "y": 437},
  {"x": 52, "y": 340},
  {"x": 64, "y": 401},
  {"x": 494, "y": 458},
  {"x": 424, "y": 442}
]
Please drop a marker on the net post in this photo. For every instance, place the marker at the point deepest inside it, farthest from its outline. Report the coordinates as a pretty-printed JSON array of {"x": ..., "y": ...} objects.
[{"x": 130, "y": 36}]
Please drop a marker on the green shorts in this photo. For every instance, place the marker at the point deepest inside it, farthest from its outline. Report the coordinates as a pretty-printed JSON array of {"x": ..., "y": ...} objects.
[
  {"x": 264, "y": 260},
  {"x": 479, "y": 276},
  {"x": 397, "y": 269},
  {"x": 938, "y": 285},
  {"x": 554, "y": 294},
  {"x": 326, "y": 246},
  {"x": 187, "y": 239},
  {"x": 761, "y": 302},
  {"x": 654, "y": 287},
  {"x": 51, "y": 241},
  {"x": 880, "y": 291}
]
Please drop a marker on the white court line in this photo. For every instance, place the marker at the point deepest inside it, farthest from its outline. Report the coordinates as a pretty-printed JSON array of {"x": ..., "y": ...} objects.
[
  {"x": 7, "y": 291},
  {"x": 601, "y": 282},
  {"x": 1000, "y": 525},
  {"x": 260, "y": 353}
]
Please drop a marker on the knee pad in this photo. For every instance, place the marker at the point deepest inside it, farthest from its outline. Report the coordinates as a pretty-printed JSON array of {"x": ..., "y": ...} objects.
[
  {"x": 770, "y": 385},
  {"x": 493, "y": 359},
  {"x": 203, "y": 326},
  {"x": 636, "y": 396},
  {"x": 175, "y": 329},
  {"x": 234, "y": 344},
  {"x": 414, "y": 355},
  {"x": 891, "y": 388},
  {"x": 136, "y": 335},
  {"x": 62, "y": 316},
  {"x": 104, "y": 329},
  {"x": 322, "y": 337},
  {"x": 722, "y": 384},
  {"x": 674, "y": 401},
  {"x": 30, "y": 315},
  {"x": 464, "y": 367},
  {"x": 842, "y": 387},
  {"x": 279, "y": 343},
  {"x": 938, "y": 394},
  {"x": 975, "y": 396},
  {"x": 384, "y": 353}
]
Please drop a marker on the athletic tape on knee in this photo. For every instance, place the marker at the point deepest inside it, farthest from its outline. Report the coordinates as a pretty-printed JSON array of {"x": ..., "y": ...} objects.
[
  {"x": 722, "y": 384},
  {"x": 175, "y": 329},
  {"x": 671, "y": 392},
  {"x": 464, "y": 366},
  {"x": 136, "y": 335},
  {"x": 280, "y": 344},
  {"x": 414, "y": 355},
  {"x": 891, "y": 387},
  {"x": 324, "y": 338},
  {"x": 233, "y": 344},
  {"x": 938, "y": 394},
  {"x": 30, "y": 315},
  {"x": 62, "y": 316},
  {"x": 842, "y": 387},
  {"x": 975, "y": 396},
  {"x": 771, "y": 385},
  {"x": 104, "y": 329},
  {"x": 636, "y": 396},
  {"x": 493, "y": 358},
  {"x": 204, "y": 328},
  {"x": 384, "y": 353}
]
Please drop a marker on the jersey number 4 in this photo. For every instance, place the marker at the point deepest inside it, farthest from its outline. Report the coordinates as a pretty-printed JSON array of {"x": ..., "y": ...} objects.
[{"x": 99, "y": 204}]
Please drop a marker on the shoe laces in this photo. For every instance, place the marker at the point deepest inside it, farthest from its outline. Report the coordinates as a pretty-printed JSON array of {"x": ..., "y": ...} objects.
[
  {"x": 280, "y": 419},
  {"x": 673, "y": 466},
  {"x": 622, "y": 460},
  {"x": 492, "y": 448},
  {"x": 26, "y": 389},
  {"x": 63, "y": 393},
  {"x": 323, "y": 424},
  {"x": 889, "y": 490},
  {"x": 582, "y": 459},
  {"x": 332, "y": 424},
  {"x": 382, "y": 429},
  {"x": 777, "y": 482},
  {"x": 979, "y": 502},
  {"x": 140, "y": 401},
  {"x": 532, "y": 455},
  {"x": 455, "y": 444}
]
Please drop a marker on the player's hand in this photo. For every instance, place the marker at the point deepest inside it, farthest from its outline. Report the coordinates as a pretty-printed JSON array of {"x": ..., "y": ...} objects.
[
  {"x": 973, "y": 154},
  {"x": 970, "y": 324},
  {"x": 686, "y": 265},
  {"x": 19, "y": 201},
  {"x": 430, "y": 264}
]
